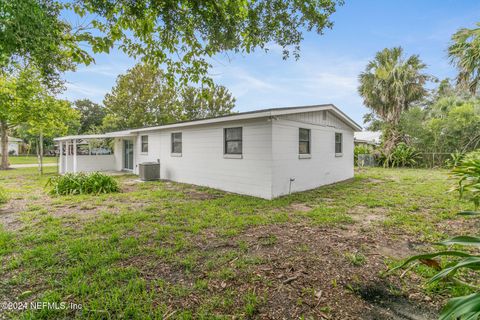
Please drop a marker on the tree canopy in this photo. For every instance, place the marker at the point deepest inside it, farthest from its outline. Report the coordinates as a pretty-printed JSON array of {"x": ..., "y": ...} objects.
[
  {"x": 32, "y": 33},
  {"x": 183, "y": 34},
  {"x": 389, "y": 86},
  {"x": 91, "y": 115},
  {"x": 464, "y": 53},
  {"x": 448, "y": 124},
  {"x": 143, "y": 97},
  {"x": 26, "y": 101}
]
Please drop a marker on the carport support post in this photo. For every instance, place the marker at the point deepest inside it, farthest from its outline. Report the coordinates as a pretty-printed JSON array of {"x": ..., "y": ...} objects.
[
  {"x": 60, "y": 159},
  {"x": 74, "y": 155},
  {"x": 67, "y": 151}
]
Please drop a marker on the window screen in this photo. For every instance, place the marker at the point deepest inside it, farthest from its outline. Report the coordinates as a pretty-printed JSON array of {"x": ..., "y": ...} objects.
[
  {"x": 177, "y": 142},
  {"x": 233, "y": 140},
  {"x": 338, "y": 142},
  {"x": 304, "y": 141},
  {"x": 144, "y": 143}
]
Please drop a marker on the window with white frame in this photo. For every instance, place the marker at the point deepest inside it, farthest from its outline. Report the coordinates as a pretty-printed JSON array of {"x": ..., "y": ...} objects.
[
  {"x": 233, "y": 141},
  {"x": 144, "y": 144},
  {"x": 176, "y": 142},
  {"x": 303, "y": 141},
  {"x": 338, "y": 143}
]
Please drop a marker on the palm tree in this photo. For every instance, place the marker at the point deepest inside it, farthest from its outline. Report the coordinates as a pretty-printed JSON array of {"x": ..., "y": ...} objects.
[
  {"x": 389, "y": 85},
  {"x": 464, "y": 53}
]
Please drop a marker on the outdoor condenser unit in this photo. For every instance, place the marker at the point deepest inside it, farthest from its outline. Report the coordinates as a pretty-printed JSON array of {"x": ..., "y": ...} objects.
[{"x": 149, "y": 171}]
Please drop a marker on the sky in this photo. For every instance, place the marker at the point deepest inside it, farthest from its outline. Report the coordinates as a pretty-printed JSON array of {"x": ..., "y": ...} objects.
[{"x": 329, "y": 65}]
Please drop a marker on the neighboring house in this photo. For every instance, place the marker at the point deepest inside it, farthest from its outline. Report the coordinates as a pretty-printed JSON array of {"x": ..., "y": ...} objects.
[
  {"x": 13, "y": 146},
  {"x": 265, "y": 153},
  {"x": 368, "y": 138}
]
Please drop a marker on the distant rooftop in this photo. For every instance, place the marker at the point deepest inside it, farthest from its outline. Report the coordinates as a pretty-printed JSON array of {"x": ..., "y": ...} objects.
[
  {"x": 12, "y": 139},
  {"x": 371, "y": 137}
]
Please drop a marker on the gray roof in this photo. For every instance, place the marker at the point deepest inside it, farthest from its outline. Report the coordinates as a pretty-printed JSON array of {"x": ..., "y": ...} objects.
[{"x": 231, "y": 117}]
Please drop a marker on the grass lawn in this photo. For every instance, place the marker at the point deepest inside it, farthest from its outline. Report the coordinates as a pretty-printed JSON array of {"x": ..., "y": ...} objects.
[
  {"x": 30, "y": 159},
  {"x": 167, "y": 250}
]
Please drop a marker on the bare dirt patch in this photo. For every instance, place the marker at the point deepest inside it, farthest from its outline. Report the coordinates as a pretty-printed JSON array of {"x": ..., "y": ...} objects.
[
  {"x": 301, "y": 207},
  {"x": 365, "y": 216},
  {"x": 301, "y": 271}
]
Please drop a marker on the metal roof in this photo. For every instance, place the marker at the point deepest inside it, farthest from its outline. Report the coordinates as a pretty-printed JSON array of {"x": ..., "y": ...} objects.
[{"x": 272, "y": 112}]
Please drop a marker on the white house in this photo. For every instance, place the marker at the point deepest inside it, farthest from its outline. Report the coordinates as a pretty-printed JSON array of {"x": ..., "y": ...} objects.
[
  {"x": 264, "y": 153},
  {"x": 13, "y": 145}
]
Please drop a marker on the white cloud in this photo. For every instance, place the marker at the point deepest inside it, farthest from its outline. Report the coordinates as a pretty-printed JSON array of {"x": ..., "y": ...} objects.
[
  {"x": 109, "y": 70},
  {"x": 82, "y": 90},
  {"x": 259, "y": 82}
]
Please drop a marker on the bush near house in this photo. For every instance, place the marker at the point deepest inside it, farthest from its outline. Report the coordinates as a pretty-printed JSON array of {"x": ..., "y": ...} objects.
[
  {"x": 361, "y": 149},
  {"x": 402, "y": 156},
  {"x": 82, "y": 183}
]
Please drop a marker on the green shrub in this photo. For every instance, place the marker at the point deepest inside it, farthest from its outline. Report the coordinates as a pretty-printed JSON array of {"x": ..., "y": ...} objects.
[
  {"x": 402, "y": 156},
  {"x": 464, "y": 307},
  {"x": 468, "y": 172},
  {"x": 455, "y": 159},
  {"x": 361, "y": 149},
  {"x": 82, "y": 183},
  {"x": 3, "y": 196}
]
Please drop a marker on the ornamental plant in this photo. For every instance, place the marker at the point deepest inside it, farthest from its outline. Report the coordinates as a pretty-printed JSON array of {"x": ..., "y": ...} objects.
[{"x": 82, "y": 183}]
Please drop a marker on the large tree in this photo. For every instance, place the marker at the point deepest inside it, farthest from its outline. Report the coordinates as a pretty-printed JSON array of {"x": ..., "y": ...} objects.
[
  {"x": 143, "y": 97},
  {"x": 184, "y": 35},
  {"x": 8, "y": 115},
  {"x": 27, "y": 101},
  {"x": 32, "y": 33},
  {"x": 91, "y": 115},
  {"x": 200, "y": 103},
  {"x": 449, "y": 123},
  {"x": 389, "y": 86},
  {"x": 464, "y": 53}
]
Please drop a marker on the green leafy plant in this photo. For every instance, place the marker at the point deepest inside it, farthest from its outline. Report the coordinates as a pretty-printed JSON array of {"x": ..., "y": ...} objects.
[
  {"x": 82, "y": 183},
  {"x": 401, "y": 156},
  {"x": 468, "y": 172},
  {"x": 3, "y": 196},
  {"x": 465, "y": 307},
  {"x": 458, "y": 261},
  {"x": 361, "y": 149},
  {"x": 455, "y": 159}
]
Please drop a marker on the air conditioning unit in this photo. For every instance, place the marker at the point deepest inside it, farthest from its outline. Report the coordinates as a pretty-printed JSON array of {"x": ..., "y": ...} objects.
[{"x": 149, "y": 171}]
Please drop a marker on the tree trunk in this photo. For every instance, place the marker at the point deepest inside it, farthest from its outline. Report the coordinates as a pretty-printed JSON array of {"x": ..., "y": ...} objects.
[
  {"x": 40, "y": 154},
  {"x": 4, "y": 143}
]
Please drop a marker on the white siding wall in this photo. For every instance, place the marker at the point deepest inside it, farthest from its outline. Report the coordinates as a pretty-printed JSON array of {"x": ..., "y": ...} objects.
[
  {"x": 324, "y": 167},
  {"x": 92, "y": 163},
  {"x": 270, "y": 155},
  {"x": 203, "y": 163}
]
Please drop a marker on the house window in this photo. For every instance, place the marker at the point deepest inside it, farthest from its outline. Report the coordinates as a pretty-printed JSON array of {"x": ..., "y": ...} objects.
[
  {"x": 144, "y": 144},
  {"x": 338, "y": 143},
  {"x": 177, "y": 142},
  {"x": 233, "y": 140},
  {"x": 303, "y": 141}
]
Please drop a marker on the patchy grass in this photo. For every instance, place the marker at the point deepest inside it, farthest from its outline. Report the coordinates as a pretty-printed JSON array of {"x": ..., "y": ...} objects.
[
  {"x": 163, "y": 249},
  {"x": 30, "y": 159}
]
